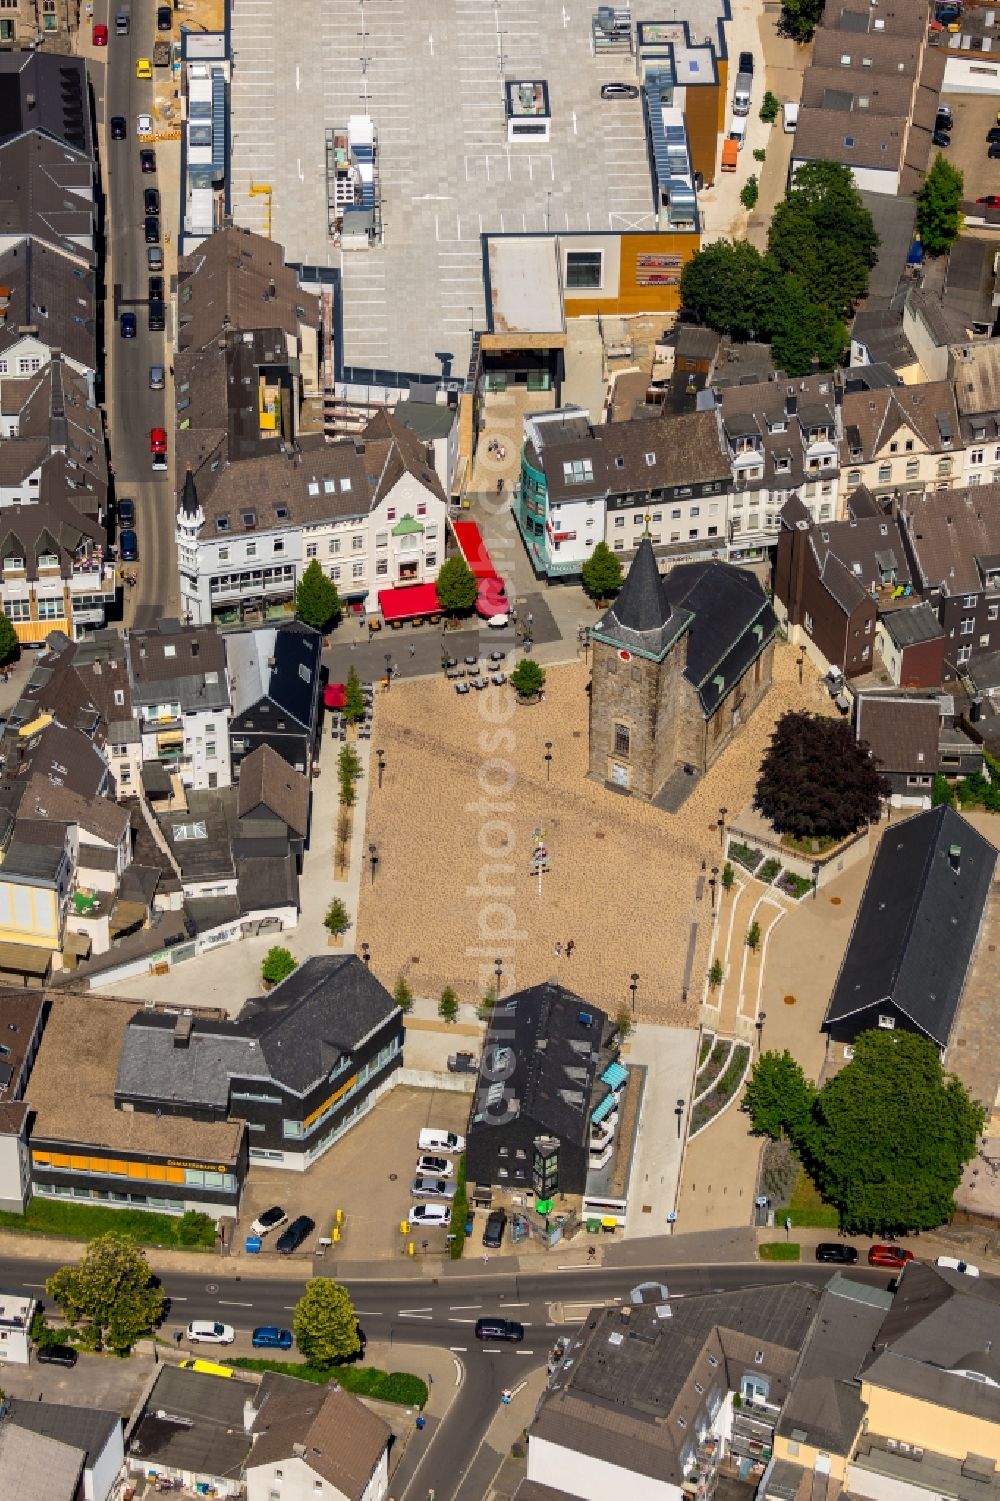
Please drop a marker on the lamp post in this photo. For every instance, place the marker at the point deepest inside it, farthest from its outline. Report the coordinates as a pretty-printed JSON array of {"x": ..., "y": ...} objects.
[
  {"x": 713, "y": 882},
  {"x": 633, "y": 986},
  {"x": 548, "y": 760},
  {"x": 498, "y": 971},
  {"x": 679, "y": 1112},
  {"x": 373, "y": 859},
  {"x": 381, "y": 766},
  {"x": 388, "y": 670},
  {"x": 802, "y": 658},
  {"x": 759, "y": 1024},
  {"x": 366, "y": 953},
  {"x": 815, "y": 879},
  {"x": 721, "y": 820}
]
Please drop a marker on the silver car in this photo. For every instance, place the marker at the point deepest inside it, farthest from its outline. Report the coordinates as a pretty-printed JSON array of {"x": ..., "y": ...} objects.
[
  {"x": 156, "y": 378},
  {"x": 432, "y": 1188}
]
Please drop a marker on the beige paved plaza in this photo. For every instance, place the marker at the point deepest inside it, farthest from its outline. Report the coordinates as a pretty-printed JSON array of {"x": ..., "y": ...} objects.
[{"x": 464, "y": 789}]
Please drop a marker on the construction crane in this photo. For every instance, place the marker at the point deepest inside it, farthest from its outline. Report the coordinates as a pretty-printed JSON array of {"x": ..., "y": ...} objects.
[{"x": 263, "y": 190}]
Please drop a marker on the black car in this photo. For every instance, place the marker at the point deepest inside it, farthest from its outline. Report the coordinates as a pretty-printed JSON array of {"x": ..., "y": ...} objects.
[
  {"x": 290, "y": 1240},
  {"x": 993, "y": 134},
  {"x": 155, "y": 286},
  {"x": 56, "y": 1355},
  {"x": 746, "y": 63},
  {"x": 126, "y": 512},
  {"x": 147, "y": 160},
  {"x": 495, "y": 1227},
  {"x": 994, "y": 152},
  {"x": 838, "y": 1252},
  {"x": 151, "y": 230},
  {"x": 119, "y": 127},
  {"x": 164, "y": 17},
  {"x": 500, "y": 1329},
  {"x": 151, "y": 201},
  {"x": 157, "y": 316},
  {"x": 940, "y": 139}
]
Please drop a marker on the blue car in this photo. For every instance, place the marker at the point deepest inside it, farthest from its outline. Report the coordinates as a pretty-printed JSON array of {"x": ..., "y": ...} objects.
[
  {"x": 128, "y": 325},
  {"x": 128, "y": 546},
  {"x": 270, "y": 1338}
]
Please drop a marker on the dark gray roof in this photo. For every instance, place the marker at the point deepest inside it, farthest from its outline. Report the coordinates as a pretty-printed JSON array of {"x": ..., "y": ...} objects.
[
  {"x": 201, "y": 1427},
  {"x": 85, "y": 1428},
  {"x": 642, "y": 618},
  {"x": 916, "y": 928},
  {"x": 265, "y": 883},
  {"x": 901, "y": 732},
  {"x": 732, "y": 623},
  {"x": 33, "y": 862},
  {"x": 908, "y": 626}
]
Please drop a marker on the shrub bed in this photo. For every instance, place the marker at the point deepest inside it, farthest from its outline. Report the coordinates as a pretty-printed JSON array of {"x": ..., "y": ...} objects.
[
  {"x": 459, "y": 1213},
  {"x": 769, "y": 870},
  {"x": 780, "y": 1250},
  {"x": 745, "y": 856},
  {"x": 706, "y": 1047},
  {"x": 88, "y": 1221},
  {"x": 715, "y": 1101},
  {"x": 794, "y": 885},
  {"x": 712, "y": 1068},
  {"x": 364, "y": 1381}
]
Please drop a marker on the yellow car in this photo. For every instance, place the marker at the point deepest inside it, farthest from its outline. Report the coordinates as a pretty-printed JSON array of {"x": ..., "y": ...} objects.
[
  {"x": 207, "y": 1367},
  {"x": 144, "y": 68}
]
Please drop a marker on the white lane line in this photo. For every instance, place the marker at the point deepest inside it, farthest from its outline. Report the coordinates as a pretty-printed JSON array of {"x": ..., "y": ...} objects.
[
  {"x": 487, "y": 1351},
  {"x": 415, "y": 1316},
  {"x": 458, "y": 1350},
  {"x": 461, "y": 1307},
  {"x": 172, "y": 1299},
  {"x": 462, "y": 1321},
  {"x": 524, "y": 1352},
  {"x": 368, "y": 1313},
  {"x": 224, "y": 1304},
  {"x": 516, "y": 1305}
]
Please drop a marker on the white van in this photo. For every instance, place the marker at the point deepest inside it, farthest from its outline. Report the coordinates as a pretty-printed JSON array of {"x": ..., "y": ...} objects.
[
  {"x": 738, "y": 132},
  {"x": 432, "y": 1139},
  {"x": 790, "y": 116}
]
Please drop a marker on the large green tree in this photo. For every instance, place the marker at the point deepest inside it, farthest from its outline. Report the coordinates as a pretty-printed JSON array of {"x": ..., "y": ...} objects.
[
  {"x": 802, "y": 330},
  {"x": 111, "y": 1292},
  {"x": 8, "y": 640},
  {"x": 317, "y": 602},
  {"x": 939, "y": 207},
  {"x": 823, "y": 234},
  {"x": 726, "y": 285},
  {"x": 325, "y": 1324},
  {"x": 354, "y": 698},
  {"x": 779, "y": 1097},
  {"x": 801, "y": 17},
  {"x": 456, "y": 586},
  {"x": 602, "y": 573},
  {"x": 816, "y": 781}
]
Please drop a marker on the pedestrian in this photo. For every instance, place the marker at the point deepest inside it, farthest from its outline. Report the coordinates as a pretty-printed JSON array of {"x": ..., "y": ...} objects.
[
  {"x": 558, "y": 950},
  {"x": 413, "y": 650},
  {"x": 570, "y": 946},
  {"x": 531, "y": 618}
]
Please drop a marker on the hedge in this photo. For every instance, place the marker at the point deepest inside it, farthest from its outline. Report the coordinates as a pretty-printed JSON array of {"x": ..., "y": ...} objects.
[{"x": 364, "y": 1381}]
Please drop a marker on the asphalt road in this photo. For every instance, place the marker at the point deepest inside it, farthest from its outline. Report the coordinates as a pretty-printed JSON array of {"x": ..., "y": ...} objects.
[
  {"x": 442, "y": 1311},
  {"x": 133, "y": 409}
]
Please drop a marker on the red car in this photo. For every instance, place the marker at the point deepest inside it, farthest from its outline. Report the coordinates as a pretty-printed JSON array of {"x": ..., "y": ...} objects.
[
  {"x": 890, "y": 1256},
  {"x": 157, "y": 440},
  {"x": 100, "y": 36},
  {"x": 992, "y": 200}
]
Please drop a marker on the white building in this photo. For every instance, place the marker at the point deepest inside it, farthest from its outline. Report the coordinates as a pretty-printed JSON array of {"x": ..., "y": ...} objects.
[
  {"x": 180, "y": 697},
  {"x": 317, "y": 1445},
  {"x": 16, "y": 1313}
]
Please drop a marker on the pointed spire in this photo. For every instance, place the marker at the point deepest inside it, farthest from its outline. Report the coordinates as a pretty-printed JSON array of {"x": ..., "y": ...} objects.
[
  {"x": 189, "y": 495},
  {"x": 642, "y": 603}
]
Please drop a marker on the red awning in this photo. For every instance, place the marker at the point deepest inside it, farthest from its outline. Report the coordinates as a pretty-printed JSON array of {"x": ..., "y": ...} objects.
[
  {"x": 334, "y": 695},
  {"x": 473, "y": 548},
  {"x": 404, "y": 604},
  {"x": 488, "y": 605}
]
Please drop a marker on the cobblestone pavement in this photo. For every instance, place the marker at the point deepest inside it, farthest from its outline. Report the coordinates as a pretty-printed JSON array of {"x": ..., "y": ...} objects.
[{"x": 454, "y": 826}]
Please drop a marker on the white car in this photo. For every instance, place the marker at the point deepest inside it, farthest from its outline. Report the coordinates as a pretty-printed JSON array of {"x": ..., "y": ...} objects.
[
  {"x": 432, "y": 1188},
  {"x": 435, "y": 1167},
  {"x": 954, "y": 1265},
  {"x": 144, "y": 125},
  {"x": 432, "y": 1139},
  {"x": 430, "y": 1214},
  {"x": 269, "y": 1220},
  {"x": 205, "y": 1332}
]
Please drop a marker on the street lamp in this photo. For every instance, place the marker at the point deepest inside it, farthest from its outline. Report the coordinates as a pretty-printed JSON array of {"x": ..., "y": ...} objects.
[
  {"x": 815, "y": 879},
  {"x": 373, "y": 859},
  {"x": 802, "y": 658},
  {"x": 548, "y": 760},
  {"x": 498, "y": 971},
  {"x": 759, "y": 1024},
  {"x": 722, "y": 827},
  {"x": 633, "y": 986},
  {"x": 713, "y": 882},
  {"x": 366, "y": 953},
  {"x": 381, "y": 766},
  {"x": 388, "y": 670},
  {"x": 679, "y": 1112}
]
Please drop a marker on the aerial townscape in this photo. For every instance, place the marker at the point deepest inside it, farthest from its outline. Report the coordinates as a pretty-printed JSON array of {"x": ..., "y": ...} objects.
[{"x": 500, "y": 750}]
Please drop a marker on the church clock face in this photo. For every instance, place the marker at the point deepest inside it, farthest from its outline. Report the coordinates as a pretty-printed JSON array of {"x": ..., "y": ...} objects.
[{"x": 624, "y": 656}]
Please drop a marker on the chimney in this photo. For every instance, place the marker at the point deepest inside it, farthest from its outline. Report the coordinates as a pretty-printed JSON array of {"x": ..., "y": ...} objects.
[
  {"x": 299, "y": 1450},
  {"x": 955, "y": 858},
  {"x": 29, "y": 100},
  {"x": 183, "y": 1028},
  {"x": 249, "y": 1414}
]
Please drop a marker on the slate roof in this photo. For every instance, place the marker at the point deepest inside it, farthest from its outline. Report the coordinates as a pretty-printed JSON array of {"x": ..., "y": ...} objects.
[
  {"x": 40, "y": 275},
  {"x": 901, "y": 733},
  {"x": 99, "y": 816},
  {"x": 878, "y": 417},
  {"x": 343, "y": 1440},
  {"x": 642, "y": 618},
  {"x": 52, "y": 525},
  {"x": 910, "y": 625},
  {"x": 949, "y": 530},
  {"x": 638, "y": 455},
  {"x": 85, "y": 1428},
  {"x": 267, "y": 780},
  {"x": 239, "y": 280},
  {"x": 732, "y": 624},
  {"x": 39, "y": 1466},
  {"x": 201, "y": 1428},
  {"x": 917, "y": 925},
  {"x": 181, "y": 663},
  {"x": 280, "y": 664}
]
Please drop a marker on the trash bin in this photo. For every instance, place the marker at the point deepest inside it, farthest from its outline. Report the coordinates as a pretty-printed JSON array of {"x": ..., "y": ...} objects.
[{"x": 252, "y": 1245}]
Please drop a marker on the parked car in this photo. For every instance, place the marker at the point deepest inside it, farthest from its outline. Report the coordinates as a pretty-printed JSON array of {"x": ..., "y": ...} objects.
[
  {"x": 269, "y": 1220},
  {"x": 993, "y": 154},
  {"x": 151, "y": 201},
  {"x": 429, "y": 1214},
  {"x": 746, "y": 63},
  {"x": 436, "y": 1167},
  {"x": 940, "y": 139},
  {"x": 154, "y": 258},
  {"x": 619, "y": 91},
  {"x": 993, "y": 134},
  {"x": 157, "y": 379},
  {"x": 100, "y": 35},
  {"x": 508, "y": 1329},
  {"x": 289, "y": 1240},
  {"x": 267, "y": 1337},
  {"x": 164, "y": 17},
  {"x": 992, "y": 200},
  {"x": 154, "y": 287},
  {"x": 144, "y": 125},
  {"x": 953, "y": 1264},
  {"x": 143, "y": 68},
  {"x": 119, "y": 127},
  {"x": 56, "y": 1355},
  {"x": 128, "y": 546},
  {"x": 126, "y": 512},
  {"x": 891, "y": 1256},
  {"x": 157, "y": 440},
  {"x": 151, "y": 230},
  {"x": 147, "y": 158},
  {"x": 496, "y": 1224},
  {"x": 837, "y": 1251},
  {"x": 432, "y": 1139},
  {"x": 207, "y": 1368},
  {"x": 127, "y": 325},
  {"x": 944, "y": 118},
  {"x": 432, "y": 1188},
  {"x": 208, "y": 1332}
]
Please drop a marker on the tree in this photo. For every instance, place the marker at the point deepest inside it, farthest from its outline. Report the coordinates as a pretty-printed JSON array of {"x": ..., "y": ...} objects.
[
  {"x": 448, "y": 1005},
  {"x": 354, "y": 699},
  {"x": 624, "y": 1023},
  {"x": 753, "y": 936},
  {"x": 317, "y": 602},
  {"x": 112, "y": 1292},
  {"x": 724, "y": 285},
  {"x": 803, "y": 331},
  {"x": 456, "y": 586},
  {"x": 9, "y": 647},
  {"x": 779, "y": 1098},
  {"x": 325, "y": 1324},
  {"x": 602, "y": 573},
  {"x": 815, "y": 781},
  {"x": 348, "y": 767},
  {"x": 822, "y": 232},
  {"x": 527, "y": 679},
  {"x": 195, "y": 1228},
  {"x": 892, "y": 1133},
  {"x": 403, "y": 996},
  {"x": 769, "y": 108},
  {"x": 941, "y": 791},
  {"x": 716, "y": 974},
  {"x": 728, "y": 876},
  {"x": 939, "y": 207},
  {"x": 801, "y": 17},
  {"x": 749, "y": 193},
  {"x": 336, "y": 920},
  {"x": 277, "y": 965}
]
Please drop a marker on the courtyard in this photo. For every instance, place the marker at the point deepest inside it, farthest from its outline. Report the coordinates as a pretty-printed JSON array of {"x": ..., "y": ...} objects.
[{"x": 466, "y": 790}]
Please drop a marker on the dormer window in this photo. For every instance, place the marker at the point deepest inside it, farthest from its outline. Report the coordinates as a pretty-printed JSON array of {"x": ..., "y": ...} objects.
[
  {"x": 222, "y": 523},
  {"x": 577, "y": 471}
]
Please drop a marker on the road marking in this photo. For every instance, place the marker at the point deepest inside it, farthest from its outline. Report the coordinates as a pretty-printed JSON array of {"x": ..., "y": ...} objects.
[
  {"x": 172, "y": 1299},
  {"x": 428, "y": 1309},
  {"x": 459, "y": 1307},
  {"x": 415, "y": 1316},
  {"x": 515, "y": 1305},
  {"x": 42, "y": 1286},
  {"x": 224, "y": 1304},
  {"x": 367, "y": 1313},
  {"x": 524, "y": 1352},
  {"x": 458, "y": 1350},
  {"x": 463, "y": 1321}
]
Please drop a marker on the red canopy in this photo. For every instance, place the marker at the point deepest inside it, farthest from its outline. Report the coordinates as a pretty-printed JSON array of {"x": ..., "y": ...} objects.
[
  {"x": 488, "y": 605},
  {"x": 335, "y": 695},
  {"x": 473, "y": 548},
  {"x": 405, "y": 604}
]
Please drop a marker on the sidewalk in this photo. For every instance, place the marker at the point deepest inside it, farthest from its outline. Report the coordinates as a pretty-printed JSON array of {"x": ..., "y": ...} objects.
[{"x": 507, "y": 1428}]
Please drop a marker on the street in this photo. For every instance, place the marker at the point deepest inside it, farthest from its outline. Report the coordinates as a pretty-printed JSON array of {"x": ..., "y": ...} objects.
[{"x": 133, "y": 409}]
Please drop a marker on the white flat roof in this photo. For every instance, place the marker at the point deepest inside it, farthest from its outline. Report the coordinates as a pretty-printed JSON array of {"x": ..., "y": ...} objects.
[{"x": 524, "y": 283}]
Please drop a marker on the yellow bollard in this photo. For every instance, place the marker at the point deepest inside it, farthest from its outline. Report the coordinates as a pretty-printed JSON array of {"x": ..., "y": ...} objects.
[
  {"x": 404, "y": 1227},
  {"x": 340, "y": 1216},
  {"x": 335, "y": 1236},
  {"x": 411, "y": 1249}
]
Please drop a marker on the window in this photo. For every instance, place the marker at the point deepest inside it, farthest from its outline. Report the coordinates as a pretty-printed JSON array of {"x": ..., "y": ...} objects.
[
  {"x": 993, "y": 612},
  {"x": 578, "y": 472},
  {"x": 311, "y": 549},
  {"x": 333, "y": 545},
  {"x": 357, "y": 570},
  {"x": 619, "y": 521},
  {"x": 623, "y": 740},
  {"x": 912, "y": 468},
  {"x": 970, "y": 601},
  {"x": 884, "y": 473},
  {"x": 976, "y": 456},
  {"x": 964, "y": 653},
  {"x": 584, "y": 268},
  {"x": 431, "y": 560},
  {"x": 251, "y": 549},
  {"x": 50, "y": 609},
  {"x": 381, "y": 566},
  {"x": 968, "y": 625},
  {"x": 357, "y": 542},
  {"x": 887, "y": 1023},
  {"x": 279, "y": 545},
  {"x": 974, "y": 479},
  {"x": 19, "y": 609}
]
